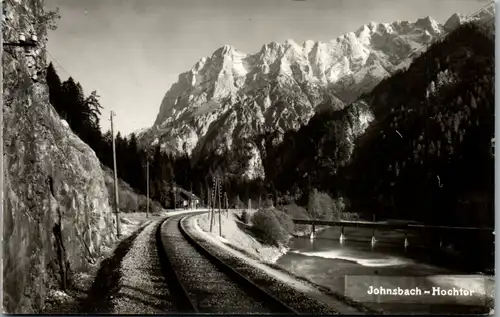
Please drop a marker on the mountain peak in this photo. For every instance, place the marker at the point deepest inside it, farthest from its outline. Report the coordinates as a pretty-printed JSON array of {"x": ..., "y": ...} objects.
[
  {"x": 455, "y": 20},
  {"x": 225, "y": 50},
  {"x": 201, "y": 107},
  {"x": 484, "y": 16},
  {"x": 273, "y": 44},
  {"x": 428, "y": 24}
]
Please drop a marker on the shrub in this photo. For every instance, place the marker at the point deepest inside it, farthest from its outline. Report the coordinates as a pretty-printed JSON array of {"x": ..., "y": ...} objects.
[
  {"x": 245, "y": 217},
  {"x": 269, "y": 229},
  {"x": 351, "y": 216},
  {"x": 286, "y": 199},
  {"x": 284, "y": 219},
  {"x": 297, "y": 212},
  {"x": 322, "y": 206},
  {"x": 237, "y": 203},
  {"x": 154, "y": 206},
  {"x": 127, "y": 201},
  {"x": 267, "y": 203}
]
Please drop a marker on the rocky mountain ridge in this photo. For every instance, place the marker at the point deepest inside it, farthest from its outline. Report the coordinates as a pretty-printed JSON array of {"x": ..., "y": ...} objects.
[{"x": 227, "y": 99}]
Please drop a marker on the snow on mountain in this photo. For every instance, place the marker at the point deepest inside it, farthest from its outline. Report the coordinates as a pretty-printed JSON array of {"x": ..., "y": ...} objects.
[{"x": 233, "y": 96}]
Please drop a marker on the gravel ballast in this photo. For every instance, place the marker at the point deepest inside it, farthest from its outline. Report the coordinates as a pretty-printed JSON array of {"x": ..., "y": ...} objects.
[
  {"x": 210, "y": 289},
  {"x": 131, "y": 281},
  {"x": 143, "y": 289}
]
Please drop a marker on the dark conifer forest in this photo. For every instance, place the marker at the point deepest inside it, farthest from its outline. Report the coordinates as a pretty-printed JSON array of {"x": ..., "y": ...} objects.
[{"x": 82, "y": 114}]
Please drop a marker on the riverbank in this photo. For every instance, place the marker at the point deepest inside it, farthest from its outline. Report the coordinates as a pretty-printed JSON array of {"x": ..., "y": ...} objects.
[
  {"x": 327, "y": 262},
  {"x": 279, "y": 276},
  {"x": 238, "y": 235}
]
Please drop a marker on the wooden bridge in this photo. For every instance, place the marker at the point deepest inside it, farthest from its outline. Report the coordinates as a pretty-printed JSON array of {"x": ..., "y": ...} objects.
[
  {"x": 388, "y": 225},
  {"x": 385, "y": 225}
]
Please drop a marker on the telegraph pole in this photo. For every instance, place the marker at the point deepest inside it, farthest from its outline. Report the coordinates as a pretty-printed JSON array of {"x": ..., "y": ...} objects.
[
  {"x": 208, "y": 197},
  {"x": 147, "y": 189},
  {"x": 175, "y": 197},
  {"x": 191, "y": 200},
  {"x": 116, "y": 177},
  {"x": 212, "y": 203},
  {"x": 220, "y": 209},
  {"x": 227, "y": 204}
]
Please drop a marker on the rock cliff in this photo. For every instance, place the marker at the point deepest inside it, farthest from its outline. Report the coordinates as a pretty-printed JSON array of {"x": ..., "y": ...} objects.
[
  {"x": 229, "y": 98},
  {"x": 57, "y": 216}
]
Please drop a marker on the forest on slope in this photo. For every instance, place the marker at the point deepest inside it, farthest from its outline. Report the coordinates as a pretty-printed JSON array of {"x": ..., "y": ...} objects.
[
  {"x": 428, "y": 153},
  {"x": 82, "y": 115}
]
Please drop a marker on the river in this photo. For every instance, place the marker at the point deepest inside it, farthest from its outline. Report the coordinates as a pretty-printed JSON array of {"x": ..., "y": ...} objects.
[{"x": 326, "y": 261}]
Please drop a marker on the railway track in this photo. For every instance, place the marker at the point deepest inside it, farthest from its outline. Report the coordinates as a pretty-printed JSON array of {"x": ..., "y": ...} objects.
[{"x": 202, "y": 282}]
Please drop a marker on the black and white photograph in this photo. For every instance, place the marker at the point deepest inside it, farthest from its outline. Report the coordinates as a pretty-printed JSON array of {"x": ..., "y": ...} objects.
[{"x": 288, "y": 157}]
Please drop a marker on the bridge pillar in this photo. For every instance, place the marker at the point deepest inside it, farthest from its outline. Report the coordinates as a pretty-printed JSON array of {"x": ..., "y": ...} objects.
[
  {"x": 373, "y": 237},
  {"x": 313, "y": 232},
  {"x": 406, "y": 241}
]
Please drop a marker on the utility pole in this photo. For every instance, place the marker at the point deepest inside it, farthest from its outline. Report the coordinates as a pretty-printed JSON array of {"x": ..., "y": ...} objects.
[
  {"x": 212, "y": 204},
  {"x": 208, "y": 198},
  {"x": 147, "y": 189},
  {"x": 116, "y": 177},
  {"x": 214, "y": 200},
  {"x": 220, "y": 209},
  {"x": 175, "y": 197},
  {"x": 227, "y": 204}
]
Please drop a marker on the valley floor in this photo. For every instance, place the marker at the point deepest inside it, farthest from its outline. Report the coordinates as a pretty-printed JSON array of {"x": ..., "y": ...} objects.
[{"x": 130, "y": 279}]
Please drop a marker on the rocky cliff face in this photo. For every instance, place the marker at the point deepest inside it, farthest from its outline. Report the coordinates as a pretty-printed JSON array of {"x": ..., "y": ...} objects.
[
  {"x": 57, "y": 216},
  {"x": 230, "y": 97}
]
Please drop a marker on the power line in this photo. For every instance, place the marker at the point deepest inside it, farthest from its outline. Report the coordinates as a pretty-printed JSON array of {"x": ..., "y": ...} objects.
[{"x": 55, "y": 60}]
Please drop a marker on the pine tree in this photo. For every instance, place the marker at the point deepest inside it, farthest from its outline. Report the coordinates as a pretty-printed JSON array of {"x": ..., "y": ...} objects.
[
  {"x": 92, "y": 109},
  {"x": 134, "y": 162},
  {"x": 55, "y": 89}
]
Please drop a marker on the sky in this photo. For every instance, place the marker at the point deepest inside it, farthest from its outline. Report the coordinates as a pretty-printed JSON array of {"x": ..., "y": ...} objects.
[{"x": 132, "y": 51}]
